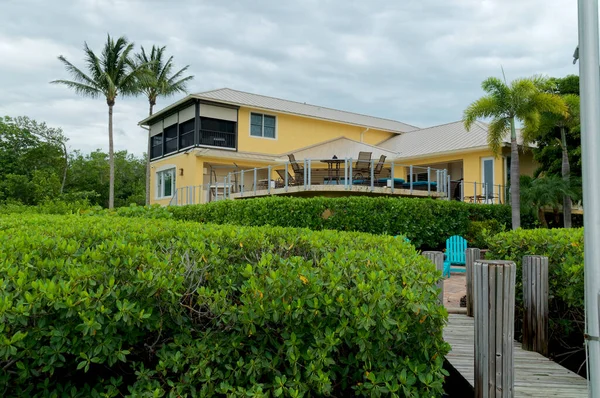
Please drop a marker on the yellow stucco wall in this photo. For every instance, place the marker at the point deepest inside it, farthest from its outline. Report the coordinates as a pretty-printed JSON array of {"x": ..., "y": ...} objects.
[
  {"x": 295, "y": 132},
  {"x": 192, "y": 173}
]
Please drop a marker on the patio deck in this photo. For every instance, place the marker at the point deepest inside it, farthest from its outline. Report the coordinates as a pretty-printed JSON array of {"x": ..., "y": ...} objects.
[{"x": 335, "y": 190}]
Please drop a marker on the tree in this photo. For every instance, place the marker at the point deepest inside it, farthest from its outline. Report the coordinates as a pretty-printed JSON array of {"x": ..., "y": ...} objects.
[
  {"x": 564, "y": 123},
  {"x": 110, "y": 75},
  {"x": 54, "y": 136},
  {"x": 31, "y": 160},
  {"x": 159, "y": 81},
  {"x": 522, "y": 100},
  {"x": 545, "y": 192},
  {"x": 89, "y": 176}
]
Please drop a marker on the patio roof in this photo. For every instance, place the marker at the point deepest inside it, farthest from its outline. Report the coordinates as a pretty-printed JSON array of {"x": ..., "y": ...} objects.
[{"x": 341, "y": 147}]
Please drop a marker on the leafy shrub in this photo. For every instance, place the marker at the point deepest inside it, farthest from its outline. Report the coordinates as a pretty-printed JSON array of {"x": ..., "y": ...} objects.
[
  {"x": 426, "y": 222},
  {"x": 564, "y": 249},
  {"x": 110, "y": 306},
  {"x": 49, "y": 206},
  {"x": 479, "y": 231}
]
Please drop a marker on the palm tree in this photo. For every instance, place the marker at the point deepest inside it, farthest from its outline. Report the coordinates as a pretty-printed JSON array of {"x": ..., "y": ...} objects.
[
  {"x": 110, "y": 75},
  {"x": 159, "y": 81},
  {"x": 565, "y": 122},
  {"x": 522, "y": 100},
  {"x": 543, "y": 192}
]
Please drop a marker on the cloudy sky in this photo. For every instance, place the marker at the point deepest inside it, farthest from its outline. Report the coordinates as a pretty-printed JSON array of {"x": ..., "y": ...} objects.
[{"x": 416, "y": 61}]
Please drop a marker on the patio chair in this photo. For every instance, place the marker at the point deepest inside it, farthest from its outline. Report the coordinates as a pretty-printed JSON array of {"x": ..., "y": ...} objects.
[
  {"x": 298, "y": 171},
  {"x": 281, "y": 182},
  {"x": 363, "y": 166},
  {"x": 379, "y": 166},
  {"x": 455, "y": 254}
]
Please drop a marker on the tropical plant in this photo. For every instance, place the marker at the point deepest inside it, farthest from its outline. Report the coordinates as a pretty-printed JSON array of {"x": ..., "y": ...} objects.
[
  {"x": 523, "y": 100},
  {"x": 159, "y": 81},
  {"x": 110, "y": 75},
  {"x": 545, "y": 192}
]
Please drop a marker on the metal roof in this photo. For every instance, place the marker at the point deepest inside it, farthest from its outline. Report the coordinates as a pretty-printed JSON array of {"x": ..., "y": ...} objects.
[
  {"x": 444, "y": 138},
  {"x": 241, "y": 98},
  {"x": 342, "y": 147}
]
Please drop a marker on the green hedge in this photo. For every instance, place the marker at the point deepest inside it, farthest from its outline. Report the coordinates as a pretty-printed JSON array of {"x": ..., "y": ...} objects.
[
  {"x": 426, "y": 222},
  {"x": 111, "y": 306},
  {"x": 564, "y": 249}
]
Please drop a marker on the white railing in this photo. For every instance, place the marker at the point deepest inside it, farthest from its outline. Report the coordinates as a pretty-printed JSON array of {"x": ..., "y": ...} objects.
[{"x": 306, "y": 174}]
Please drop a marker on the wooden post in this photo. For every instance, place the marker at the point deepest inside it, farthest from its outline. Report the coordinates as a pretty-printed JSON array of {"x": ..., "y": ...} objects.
[
  {"x": 438, "y": 259},
  {"x": 471, "y": 256},
  {"x": 535, "y": 302},
  {"x": 494, "y": 305}
]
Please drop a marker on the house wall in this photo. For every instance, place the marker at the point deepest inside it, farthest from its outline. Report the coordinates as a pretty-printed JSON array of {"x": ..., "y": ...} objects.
[
  {"x": 190, "y": 164},
  {"x": 295, "y": 132}
]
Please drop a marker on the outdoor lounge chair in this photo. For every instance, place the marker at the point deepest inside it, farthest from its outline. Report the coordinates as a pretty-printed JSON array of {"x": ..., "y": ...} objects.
[
  {"x": 298, "y": 171},
  {"x": 379, "y": 166},
  {"x": 281, "y": 182},
  {"x": 362, "y": 169}
]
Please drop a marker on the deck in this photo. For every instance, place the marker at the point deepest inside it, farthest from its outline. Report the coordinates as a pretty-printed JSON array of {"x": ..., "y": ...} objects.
[
  {"x": 335, "y": 190},
  {"x": 535, "y": 375}
]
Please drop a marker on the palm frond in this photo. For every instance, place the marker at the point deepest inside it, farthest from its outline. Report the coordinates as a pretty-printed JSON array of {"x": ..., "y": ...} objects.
[
  {"x": 77, "y": 74},
  {"x": 80, "y": 88},
  {"x": 497, "y": 131},
  {"x": 484, "y": 107}
]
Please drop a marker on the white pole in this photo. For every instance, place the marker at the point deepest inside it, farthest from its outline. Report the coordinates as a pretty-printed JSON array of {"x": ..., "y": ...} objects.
[{"x": 589, "y": 83}]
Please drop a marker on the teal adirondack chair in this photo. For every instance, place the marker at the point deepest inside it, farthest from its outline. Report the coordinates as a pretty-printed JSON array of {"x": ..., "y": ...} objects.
[
  {"x": 455, "y": 254},
  {"x": 403, "y": 237}
]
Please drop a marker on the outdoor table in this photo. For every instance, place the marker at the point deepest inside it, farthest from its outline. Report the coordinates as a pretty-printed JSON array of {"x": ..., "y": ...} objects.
[{"x": 331, "y": 170}]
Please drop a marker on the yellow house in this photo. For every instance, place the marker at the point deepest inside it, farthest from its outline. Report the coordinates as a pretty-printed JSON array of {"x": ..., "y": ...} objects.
[{"x": 228, "y": 143}]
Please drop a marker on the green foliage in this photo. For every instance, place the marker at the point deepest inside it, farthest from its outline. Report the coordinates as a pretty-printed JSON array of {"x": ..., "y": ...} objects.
[
  {"x": 90, "y": 173},
  {"x": 564, "y": 249},
  {"x": 479, "y": 231},
  {"x": 111, "y": 306},
  {"x": 426, "y": 222}
]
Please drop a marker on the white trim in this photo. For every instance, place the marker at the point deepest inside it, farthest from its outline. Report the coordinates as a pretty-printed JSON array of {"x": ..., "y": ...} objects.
[
  {"x": 263, "y": 125},
  {"x": 159, "y": 170},
  {"x": 483, "y": 181}
]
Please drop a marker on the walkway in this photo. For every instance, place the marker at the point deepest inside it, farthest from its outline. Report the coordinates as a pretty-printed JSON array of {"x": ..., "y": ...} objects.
[{"x": 535, "y": 375}]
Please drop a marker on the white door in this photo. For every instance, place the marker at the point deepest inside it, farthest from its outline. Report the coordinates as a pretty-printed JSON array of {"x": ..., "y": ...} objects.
[{"x": 487, "y": 178}]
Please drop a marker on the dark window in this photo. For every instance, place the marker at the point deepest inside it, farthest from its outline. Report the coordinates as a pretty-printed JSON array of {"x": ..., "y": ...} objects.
[
  {"x": 262, "y": 125},
  {"x": 156, "y": 146},
  {"x": 170, "y": 139},
  {"x": 186, "y": 134},
  {"x": 222, "y": 126}
]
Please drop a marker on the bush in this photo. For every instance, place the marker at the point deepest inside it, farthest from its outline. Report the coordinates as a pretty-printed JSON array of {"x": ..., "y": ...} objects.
[
  {"x": 564, "y": 249},
  {"x": 112, "y": 306},
  {"x": 479, "y": 231},
  {"x": 426, "y": 222}
]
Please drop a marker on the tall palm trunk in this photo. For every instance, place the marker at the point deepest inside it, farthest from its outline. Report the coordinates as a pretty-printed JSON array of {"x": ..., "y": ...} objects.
[
  {"x": 515, "y": 189},
  {"x": 148, "y": 161},
  {"x": 111, "y": 159},
  {"x": 566, "y": 171}
]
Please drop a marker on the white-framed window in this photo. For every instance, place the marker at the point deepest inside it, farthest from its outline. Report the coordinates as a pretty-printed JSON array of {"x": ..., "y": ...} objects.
[
  {"x": 165, "y": 183},
  {"x": 262, "y": 125}
]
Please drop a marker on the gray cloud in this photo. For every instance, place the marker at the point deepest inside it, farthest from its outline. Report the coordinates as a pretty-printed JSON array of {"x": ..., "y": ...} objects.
[{"x": 420, "y": 62}]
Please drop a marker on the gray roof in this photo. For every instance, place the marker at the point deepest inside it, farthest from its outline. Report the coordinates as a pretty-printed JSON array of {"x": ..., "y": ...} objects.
[
  {"x": 241, "y": 98},
  {"x": 439, "y": 139}
]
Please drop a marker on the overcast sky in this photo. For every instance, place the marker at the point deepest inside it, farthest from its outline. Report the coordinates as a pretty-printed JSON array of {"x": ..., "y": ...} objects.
[{"x": 416, "y": 61}]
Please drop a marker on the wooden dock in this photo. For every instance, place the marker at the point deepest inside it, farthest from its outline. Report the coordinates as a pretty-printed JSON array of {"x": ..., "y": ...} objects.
[{"x": 535, "y": 375}]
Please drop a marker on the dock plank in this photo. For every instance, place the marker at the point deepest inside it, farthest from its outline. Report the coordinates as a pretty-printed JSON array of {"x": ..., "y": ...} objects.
[{"x": 535, "y": 375}]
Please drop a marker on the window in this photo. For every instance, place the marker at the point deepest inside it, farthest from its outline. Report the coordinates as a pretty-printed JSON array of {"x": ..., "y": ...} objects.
[
  {"x": 416, "y": 177},
  {"x": 165, "y": 183},
  {"x": 262, "y": 125},
  {"x": 156, "y": 146},
  {"x": 186, "y": 134},
  {"x": 170, "y": 139}
]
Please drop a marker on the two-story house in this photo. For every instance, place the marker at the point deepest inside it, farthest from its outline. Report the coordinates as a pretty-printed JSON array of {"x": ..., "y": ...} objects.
[{"x": 200, "y": 140}]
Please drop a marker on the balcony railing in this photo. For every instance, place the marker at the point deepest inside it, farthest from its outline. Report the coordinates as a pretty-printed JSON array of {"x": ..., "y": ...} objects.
[
  {"x": 338, "y": 175},
  {"x": 217, "y": 139}
]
